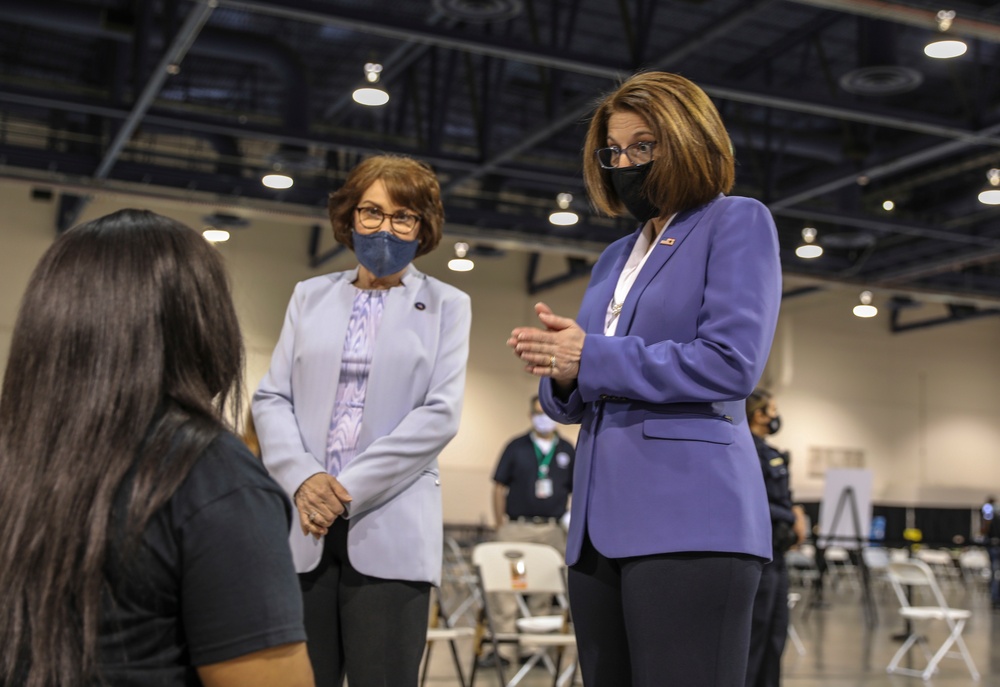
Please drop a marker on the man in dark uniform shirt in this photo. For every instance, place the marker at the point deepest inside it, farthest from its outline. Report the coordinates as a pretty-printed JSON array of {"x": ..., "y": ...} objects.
[
  {"x": 770, "y": 608},
  {"x": 532, "y": 485}
]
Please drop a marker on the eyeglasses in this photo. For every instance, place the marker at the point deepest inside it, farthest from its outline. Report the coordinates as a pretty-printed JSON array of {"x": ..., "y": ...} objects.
[
  {"x": 638, "y": 154},
  {"x": 402, "y": 223}
]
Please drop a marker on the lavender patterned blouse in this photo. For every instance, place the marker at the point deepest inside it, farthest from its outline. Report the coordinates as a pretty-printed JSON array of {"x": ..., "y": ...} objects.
[{"x": 356, "y": 361}]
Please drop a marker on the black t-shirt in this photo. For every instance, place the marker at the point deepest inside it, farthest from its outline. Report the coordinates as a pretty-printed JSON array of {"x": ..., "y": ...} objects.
[
  {"x": 212, "y": 580},
  {"x": 518, "y": 471}
]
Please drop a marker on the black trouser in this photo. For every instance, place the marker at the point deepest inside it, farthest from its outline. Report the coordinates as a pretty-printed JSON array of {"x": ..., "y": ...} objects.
[
  {"x": 373, "y": 630},
  {"x": 770, "y": 626},
  {"x": 668, "y": 620}
]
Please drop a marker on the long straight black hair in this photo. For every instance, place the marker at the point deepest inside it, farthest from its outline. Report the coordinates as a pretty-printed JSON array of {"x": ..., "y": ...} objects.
[{"x": 126, "y": 351}]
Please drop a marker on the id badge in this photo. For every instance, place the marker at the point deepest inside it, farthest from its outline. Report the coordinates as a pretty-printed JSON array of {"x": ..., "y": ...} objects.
[{"x": 543, "y": 488}]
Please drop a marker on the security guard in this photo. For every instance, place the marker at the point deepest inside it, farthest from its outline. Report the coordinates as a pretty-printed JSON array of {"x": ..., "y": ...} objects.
[{"x": 770, "y": 608}]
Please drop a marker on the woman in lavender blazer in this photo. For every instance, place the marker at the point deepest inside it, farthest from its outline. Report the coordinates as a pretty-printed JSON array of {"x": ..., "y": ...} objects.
[
  {"x": 364, "y": 390},
  {"x": 670, "y": 523}
]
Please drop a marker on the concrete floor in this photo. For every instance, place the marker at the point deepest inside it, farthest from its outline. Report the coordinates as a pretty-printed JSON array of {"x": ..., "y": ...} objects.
[{"x": 839, "y": 650}]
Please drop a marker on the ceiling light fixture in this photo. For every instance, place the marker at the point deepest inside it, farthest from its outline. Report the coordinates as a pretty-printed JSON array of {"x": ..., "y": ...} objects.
[
  {"x": 991, "y": 194},
  {"x": 371, "y": 92},
  {"x": 809, "y": 249},
  {"x": 945, "y": 48},
  {"x": 460, "y": 263},
  {"x": 888, "y": 205},
  {"x": 215, "y": 235},
  {"x": 277, "y": 179},
  {"x": 564, "y": 216},
  {"x": 865, "y": 307}
]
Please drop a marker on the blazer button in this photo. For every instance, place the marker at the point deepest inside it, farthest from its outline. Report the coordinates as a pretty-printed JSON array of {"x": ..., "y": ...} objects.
[{"x": 437, "y": 483}]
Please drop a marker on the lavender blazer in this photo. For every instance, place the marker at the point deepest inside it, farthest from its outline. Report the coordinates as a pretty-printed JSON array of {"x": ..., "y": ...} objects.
[
  {"x": 665, "y": 461},
  {"x": 412, "y": 409}
]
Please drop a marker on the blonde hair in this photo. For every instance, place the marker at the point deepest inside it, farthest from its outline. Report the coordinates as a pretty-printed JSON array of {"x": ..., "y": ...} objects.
[{"x": 694, "y": 156}]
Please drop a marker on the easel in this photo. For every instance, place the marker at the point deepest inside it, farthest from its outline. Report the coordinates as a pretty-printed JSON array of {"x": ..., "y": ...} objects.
[{"x": 867, "y": 600}]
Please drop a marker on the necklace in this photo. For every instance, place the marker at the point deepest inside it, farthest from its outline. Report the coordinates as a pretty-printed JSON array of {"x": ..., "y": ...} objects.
[{"x": 616, "y": 308}]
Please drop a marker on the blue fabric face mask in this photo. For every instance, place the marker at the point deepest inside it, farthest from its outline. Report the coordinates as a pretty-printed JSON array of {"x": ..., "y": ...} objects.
[{"x": 383, "y": 253}]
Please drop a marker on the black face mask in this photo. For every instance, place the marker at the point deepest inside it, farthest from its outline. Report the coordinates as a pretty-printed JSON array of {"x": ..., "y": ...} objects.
[
  {"x": 774, "y": 425},
  {"x": 628, "y": 183}
]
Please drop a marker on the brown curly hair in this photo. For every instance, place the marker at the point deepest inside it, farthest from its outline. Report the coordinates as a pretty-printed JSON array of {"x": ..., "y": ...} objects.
[{"x": 410, "y": 183}]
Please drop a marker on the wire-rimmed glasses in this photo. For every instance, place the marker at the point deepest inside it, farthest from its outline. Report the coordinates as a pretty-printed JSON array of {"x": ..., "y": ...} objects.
[
  {"x": 638, "y": 154},
  {"x": 370, "y": 218}
]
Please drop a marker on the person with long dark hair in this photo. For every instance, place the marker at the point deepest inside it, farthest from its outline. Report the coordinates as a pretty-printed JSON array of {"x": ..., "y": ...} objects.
[
  {"x": 364, "y": 391},
  {"x": 141, "y": 542},
  {"x": 670, "y": 526}
]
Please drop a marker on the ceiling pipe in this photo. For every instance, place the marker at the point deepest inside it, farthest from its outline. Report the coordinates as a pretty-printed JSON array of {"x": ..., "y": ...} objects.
[
  {"x": 483, "y": 45},
  {"x": 903, "y": 13},
  {"x": 981, "y": 137},
  {"x": 585, "y": 106},
  {"x": 66, "y": 17},
  {"x": 387, "y": 27},
  {"x": 172, "y": 58}
]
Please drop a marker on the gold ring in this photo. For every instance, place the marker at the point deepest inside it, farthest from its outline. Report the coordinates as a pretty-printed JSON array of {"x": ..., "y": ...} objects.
[{"x": 552, "y": 361}]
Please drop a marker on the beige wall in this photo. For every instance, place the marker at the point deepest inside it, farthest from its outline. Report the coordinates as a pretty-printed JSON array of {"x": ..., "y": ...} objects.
[{"x": 919, "y": 405}]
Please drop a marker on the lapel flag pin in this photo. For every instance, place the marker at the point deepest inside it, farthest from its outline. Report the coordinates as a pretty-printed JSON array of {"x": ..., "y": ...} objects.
[{"x": 667, "y": 242}]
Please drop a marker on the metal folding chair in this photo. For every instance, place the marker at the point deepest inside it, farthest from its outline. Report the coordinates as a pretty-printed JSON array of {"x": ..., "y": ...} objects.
[
  {"x": 917, "y": 574},
  {"x": 440, "y": 630},
  {"x": 524, "y": 569},
  {"x": 793, "y": 634}
]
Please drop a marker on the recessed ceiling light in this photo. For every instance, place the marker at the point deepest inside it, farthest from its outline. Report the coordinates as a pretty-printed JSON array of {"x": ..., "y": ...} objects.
[
  {"x": 371, "y": 92},
  {"x": 215, "y": 235},
  {"x": 277, "y": 180},
  {"x": 991, "y": 194},
  {"x": 865, "y": 308},
  {"x": 810, "y": 249},
  {"x": 460, "y": 263},
  {"x": 945, "y": 48},
  {"x": 564, "y": 215}
]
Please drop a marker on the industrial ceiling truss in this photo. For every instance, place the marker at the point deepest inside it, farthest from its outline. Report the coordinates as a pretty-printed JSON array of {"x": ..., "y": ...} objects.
[{"x": 832, "y": 105}]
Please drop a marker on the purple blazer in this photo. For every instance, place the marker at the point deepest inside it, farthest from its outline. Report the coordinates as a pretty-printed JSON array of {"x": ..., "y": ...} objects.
[{"x": 665, "y": 461}]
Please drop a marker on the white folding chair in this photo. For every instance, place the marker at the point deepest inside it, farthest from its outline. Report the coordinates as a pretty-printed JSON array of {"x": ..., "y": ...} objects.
[
  {"x": 793, "y": 634},
  {"x": 459, "y": 587},
  {"x": 917, "y": 574},
  {"x": 876, "y": 559},
  {"x": 840, "y": 567},
  {"x": 524, "y": 569},
  {"x": 439, "y": 629},
  {"x": 942, "y": 563},
  {"x": 801, "y": 565},
  {"x": 975, "y": 566}
]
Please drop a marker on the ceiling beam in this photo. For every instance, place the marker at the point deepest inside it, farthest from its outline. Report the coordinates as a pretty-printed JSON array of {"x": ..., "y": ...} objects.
[
  {"x": 585, "y": 105},
  {"x": 910, "y": 14},
  {"x": 386, "y": 26},
  {"x": 171, "y": 59},
  {"x": 930, "y": 268},
  {"x": 883, "y": 226},
  {"x": 897, "y": 165}
]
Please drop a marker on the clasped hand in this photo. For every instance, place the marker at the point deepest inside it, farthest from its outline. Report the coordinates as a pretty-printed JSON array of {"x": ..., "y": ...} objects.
[
  {"x": 320, "y": 500},
  {"x": 551, "y": 352}
]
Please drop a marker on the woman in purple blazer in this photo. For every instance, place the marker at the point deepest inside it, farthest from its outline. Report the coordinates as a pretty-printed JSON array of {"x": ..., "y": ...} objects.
[{"x": 670, "y": 524}]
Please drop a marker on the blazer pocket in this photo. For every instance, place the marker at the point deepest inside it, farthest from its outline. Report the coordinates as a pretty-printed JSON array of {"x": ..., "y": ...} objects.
[{"x": 713, "y": 429}]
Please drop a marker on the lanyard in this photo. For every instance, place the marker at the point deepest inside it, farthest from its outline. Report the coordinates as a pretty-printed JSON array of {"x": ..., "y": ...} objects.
[{"x": 543, "y": 461}]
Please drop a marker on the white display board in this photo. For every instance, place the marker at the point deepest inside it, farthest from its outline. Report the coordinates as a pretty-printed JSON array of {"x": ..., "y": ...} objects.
[{"x": 850, "y": 488}]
